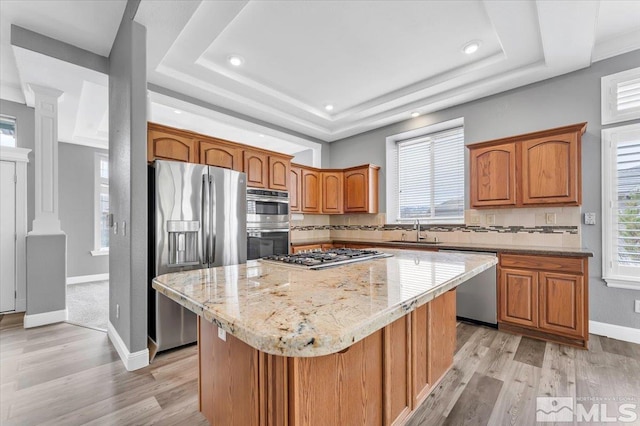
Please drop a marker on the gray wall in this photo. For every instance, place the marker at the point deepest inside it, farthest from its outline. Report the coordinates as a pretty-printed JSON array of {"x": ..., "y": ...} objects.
[
  {"x": 76, "y": 182},
  {"x": 568, "y": 99},
  {"x": 128, "y": 181},
  {"x": 25, "y": 130}
]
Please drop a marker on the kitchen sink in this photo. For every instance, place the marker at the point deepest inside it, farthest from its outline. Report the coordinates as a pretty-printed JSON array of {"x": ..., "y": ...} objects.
[{"x": 422, "y": 243}]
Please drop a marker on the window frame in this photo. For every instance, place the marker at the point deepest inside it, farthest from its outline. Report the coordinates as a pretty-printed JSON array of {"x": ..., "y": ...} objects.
[
  {"x": 99, "y": 181},
  {"x": 611, "y": 273},
  {"x": 392, "y": 178},
  {"x": 15, "y": 129},
  {"x": 609, "y": 99}
]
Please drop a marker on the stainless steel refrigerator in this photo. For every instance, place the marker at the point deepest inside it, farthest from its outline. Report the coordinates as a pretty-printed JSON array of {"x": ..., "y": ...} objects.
[{"x": 198, "y": 220}]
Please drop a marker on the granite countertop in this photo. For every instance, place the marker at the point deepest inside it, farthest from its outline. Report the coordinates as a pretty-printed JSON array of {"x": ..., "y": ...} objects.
[
  {"x": 482, "y": 247},
  {"x": 284, "y": 310}
]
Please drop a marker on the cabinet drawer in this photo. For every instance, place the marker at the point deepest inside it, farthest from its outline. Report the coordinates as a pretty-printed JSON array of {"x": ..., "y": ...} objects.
[{"x": 546, "y": 263}]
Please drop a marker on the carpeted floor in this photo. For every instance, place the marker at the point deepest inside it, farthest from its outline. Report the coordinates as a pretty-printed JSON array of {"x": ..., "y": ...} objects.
[{"x": 88, "y": 304}]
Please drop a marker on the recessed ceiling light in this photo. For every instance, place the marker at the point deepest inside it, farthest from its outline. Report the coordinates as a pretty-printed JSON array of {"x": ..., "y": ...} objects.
[
  {"x": 415, "y": 114},
  {"x": 261, "y": 135},
  {"x": 236, "y": 60},
  {"x": 328, "y": 107},
  {"x": 177, "y": 111},
  {"x": 471, "y": 47}
]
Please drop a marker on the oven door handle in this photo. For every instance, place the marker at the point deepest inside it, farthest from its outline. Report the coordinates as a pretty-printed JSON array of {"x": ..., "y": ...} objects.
[
  {"x": 269, "y": 200},
  {"x": 266, "y": 231}
]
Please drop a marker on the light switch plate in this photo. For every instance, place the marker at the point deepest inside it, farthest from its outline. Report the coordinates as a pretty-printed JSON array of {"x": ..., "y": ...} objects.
[
  {"x": 491, "y": 219},
  {"x": 222, "y": 335},
  {"x": 589, "y": 218},
  {"x": 474, "y": 220},
  {"x": 637, "y": 307}
]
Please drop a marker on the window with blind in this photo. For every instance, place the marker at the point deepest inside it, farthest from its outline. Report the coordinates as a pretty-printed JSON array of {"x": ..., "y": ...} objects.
[
  {"x": 621, "y": 96},
  {"x": 621, "y": 205},
  {"x": 101, "y": 206},
  {"x": 430, "y": 178}
]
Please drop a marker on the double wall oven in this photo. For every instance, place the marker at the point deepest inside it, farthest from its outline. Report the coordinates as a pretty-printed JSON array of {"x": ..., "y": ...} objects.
[{"x": 267, "y": 223}]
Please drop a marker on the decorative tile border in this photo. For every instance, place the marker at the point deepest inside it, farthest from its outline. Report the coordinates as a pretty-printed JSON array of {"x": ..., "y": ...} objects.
[{"x": 445, "y": 228}]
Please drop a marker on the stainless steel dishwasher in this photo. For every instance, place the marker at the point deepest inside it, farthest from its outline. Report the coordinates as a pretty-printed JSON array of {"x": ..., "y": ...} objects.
[{"x": 476, "y": 299}]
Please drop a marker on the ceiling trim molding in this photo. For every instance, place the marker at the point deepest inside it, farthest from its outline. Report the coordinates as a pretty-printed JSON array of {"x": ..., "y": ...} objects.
[{"x": 616, "y": 46}]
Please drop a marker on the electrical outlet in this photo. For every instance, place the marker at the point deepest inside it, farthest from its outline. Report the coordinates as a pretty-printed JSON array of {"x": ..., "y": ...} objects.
[
  {"x": 491, "y": 219},
  {"x": 117, "y": 310},
  {"x": 222, "y": 335},
  {"x": 474, "y": 220},
  {"x": 550, "y": 218},
  {"x": 637, "y": 309}
]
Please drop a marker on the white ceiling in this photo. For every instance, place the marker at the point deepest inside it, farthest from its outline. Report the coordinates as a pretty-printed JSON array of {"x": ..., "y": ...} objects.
[{"x": 375, "y": 61}]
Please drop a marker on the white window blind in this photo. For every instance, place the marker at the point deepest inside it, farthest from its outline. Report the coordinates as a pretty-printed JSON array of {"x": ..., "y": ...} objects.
[
  {"x": 430, "y": 171},
  {"x": 621, "y": 96},
  {"x": 621, "y": 192}
]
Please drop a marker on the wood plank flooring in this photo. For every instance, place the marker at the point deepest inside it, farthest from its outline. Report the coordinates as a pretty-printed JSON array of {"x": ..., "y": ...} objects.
[{"x": 68, "y": 375}]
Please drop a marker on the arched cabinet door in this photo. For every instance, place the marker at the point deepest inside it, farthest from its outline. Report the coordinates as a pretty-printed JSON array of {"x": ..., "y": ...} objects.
[
  {"x": 493, "y": 175},
  {"x": 220, "y": 155},
  {"x": 311, "y": 190},
  {"x": 332, "y": 187},
  {"x": 256, "y": 167},
  {"x": 550, "y": 170},
  {"x": 295, "y": 189},
  {"x": 166, "y": 146},
  {"x": 279, "y": 172}
]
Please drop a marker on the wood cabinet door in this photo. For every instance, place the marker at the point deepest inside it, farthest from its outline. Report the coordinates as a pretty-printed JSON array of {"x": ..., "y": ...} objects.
[
  {"x": 443, "y": 335},
  {"x": 493, "y": 175},
  {"x": 562, "y": 304},
  {"x": 397, "y": 371},
  {"x": 295, "y": 189},
  {"x": 216, "y": 154},
  {"x": 551, "y": 170},
  {"x": 256, "y": 166},
  {"x": 420, "y": 353},
  {"x": 518, "y": 297},
  {"x": 356, "y": 191},
  {"x": 166, "y": 146},
  {"x": 310, "y": 191},
  {"x": 279, "y": 173},
  {"x": 332, "y": 185}
]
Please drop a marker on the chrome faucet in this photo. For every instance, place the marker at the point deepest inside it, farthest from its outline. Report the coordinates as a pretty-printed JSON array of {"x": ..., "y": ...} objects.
[{"x": 416, "y": 226}]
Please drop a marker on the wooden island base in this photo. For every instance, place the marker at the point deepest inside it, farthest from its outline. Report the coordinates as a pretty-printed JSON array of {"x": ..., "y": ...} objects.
[{"x": 379, "y": 380}]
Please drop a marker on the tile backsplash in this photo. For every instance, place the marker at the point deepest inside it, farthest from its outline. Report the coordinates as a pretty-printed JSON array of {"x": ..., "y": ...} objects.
[{"x": 522, "y": 226}]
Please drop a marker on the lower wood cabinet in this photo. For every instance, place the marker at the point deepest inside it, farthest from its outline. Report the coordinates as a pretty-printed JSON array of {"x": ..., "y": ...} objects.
[
  {"x": 544, "y": 297},
  {"x": 379, "y": 380}
]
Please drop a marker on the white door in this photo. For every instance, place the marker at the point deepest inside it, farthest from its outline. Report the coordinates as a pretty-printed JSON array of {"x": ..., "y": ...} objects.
[{"x": 7, "y": 236}]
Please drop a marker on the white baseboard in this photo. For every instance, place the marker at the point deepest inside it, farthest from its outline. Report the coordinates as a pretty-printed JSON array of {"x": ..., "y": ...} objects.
[
  {"x": 618, "y": 332},
  {"x": 131, "y": 361},
  {"x": 87, "y": 278},
  {"x": 36, "y": 320}
]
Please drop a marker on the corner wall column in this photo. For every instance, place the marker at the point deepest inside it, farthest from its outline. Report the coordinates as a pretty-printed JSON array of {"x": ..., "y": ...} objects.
[{"x": 46, "y": 243}]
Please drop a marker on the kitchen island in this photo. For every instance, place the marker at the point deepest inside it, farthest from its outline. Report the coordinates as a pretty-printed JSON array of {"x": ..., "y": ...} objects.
[{"x": 358, "y": 344}]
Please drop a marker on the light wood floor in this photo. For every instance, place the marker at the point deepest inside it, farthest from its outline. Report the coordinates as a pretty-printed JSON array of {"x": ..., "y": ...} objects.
[{"x": 68, "y": 375}]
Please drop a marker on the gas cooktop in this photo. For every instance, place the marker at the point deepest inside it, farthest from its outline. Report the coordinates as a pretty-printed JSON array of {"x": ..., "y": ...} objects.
[{"x": 326, "y": 258}]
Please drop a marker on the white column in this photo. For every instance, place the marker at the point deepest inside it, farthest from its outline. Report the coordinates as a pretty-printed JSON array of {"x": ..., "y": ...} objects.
[{"x": 46, "y": 160}]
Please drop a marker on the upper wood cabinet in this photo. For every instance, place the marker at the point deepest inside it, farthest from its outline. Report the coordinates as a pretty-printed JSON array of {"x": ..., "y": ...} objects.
[
  {"x": 295, "y": 189},
  {"x": 544, "y": 297},
  {"x": 493, "y": 175},
  {"x": 256, "y": 166},
  {"x": 311, "y": 190},
  {"x": 551, "y": 170},
  {"x": 219, "y": 154},
  {"x": 170, "y": 144},
  {"x": 536, "y": 169},
  {"x": 279, "y": 172},
  {"x": 264, "y": 169},
  {"x": 332, "y": 187},
  {"x": 361, "y": 189}
]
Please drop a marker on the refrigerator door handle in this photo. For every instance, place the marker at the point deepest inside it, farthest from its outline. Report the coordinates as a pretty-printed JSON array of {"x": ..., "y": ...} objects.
[
  {"x": 213, "y": 206},
  {"x": 205, "y": 219}
]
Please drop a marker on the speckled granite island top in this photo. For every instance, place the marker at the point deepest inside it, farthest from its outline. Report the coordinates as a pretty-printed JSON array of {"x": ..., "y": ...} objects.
[{"x": 283, "y": 310}]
